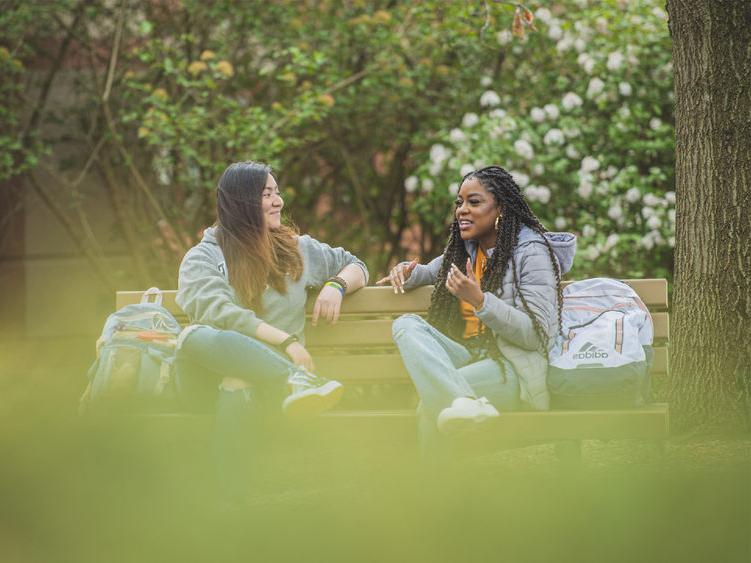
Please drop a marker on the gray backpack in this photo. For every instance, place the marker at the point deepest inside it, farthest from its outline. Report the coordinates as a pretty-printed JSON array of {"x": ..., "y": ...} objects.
[{"x": 134, "y": 369}]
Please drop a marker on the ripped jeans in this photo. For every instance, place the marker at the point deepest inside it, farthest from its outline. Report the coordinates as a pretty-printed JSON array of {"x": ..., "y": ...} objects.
[{"x": 443, "y": 370}]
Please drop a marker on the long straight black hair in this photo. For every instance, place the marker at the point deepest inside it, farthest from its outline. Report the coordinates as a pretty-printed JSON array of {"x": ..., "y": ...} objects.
[{"x": 256, "y": 255}]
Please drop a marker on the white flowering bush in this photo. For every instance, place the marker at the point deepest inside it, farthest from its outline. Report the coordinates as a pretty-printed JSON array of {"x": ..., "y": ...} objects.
[{"x": 581, "y": 115}]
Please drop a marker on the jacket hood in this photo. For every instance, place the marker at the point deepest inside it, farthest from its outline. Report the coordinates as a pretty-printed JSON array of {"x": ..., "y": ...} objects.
[
  {"x": 563, "y": 245},
  {"x": 209, "y": 235}
]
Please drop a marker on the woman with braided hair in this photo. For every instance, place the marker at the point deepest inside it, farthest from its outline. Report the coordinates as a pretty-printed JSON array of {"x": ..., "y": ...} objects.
[{"x": 494, "y": 311}]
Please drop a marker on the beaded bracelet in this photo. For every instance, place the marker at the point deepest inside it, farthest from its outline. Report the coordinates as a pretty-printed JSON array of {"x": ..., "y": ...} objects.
[
  {"x": 335, "y": 285},
  {"x": 341, "y": 281}
]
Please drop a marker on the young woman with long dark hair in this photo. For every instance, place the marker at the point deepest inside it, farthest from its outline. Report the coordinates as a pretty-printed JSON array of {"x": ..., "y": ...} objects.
[
  {"x": 494, "y": 311},
  {"x": 244, "y": 288}
]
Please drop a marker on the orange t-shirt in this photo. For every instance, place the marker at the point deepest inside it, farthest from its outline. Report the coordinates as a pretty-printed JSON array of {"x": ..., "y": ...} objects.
[{"x": 472, "y": 325}]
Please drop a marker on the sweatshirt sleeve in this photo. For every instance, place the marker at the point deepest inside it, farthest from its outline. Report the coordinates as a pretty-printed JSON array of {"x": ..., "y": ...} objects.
[
  {"x": 323, "y": 262},
  {"x": 538, "y": 286},
  {"x": 424, "y": 274},
  {"x": 206, "y": 296}
]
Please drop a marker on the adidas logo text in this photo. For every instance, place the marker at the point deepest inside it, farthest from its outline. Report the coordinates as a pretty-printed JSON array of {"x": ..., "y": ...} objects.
[{"x": 590, "y": 352}]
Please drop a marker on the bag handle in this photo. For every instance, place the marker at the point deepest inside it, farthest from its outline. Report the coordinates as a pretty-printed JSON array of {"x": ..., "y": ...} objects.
[{"x": 156, "y": 292}]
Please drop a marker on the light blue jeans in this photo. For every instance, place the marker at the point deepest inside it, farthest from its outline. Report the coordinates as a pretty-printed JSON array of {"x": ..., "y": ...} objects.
[
  {"x": 443, "y": 370},
  {"x": 245, "y": 418}
]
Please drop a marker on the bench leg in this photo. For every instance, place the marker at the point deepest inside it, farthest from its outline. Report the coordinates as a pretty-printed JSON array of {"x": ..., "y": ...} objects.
[{"x": 569, "y": 453}]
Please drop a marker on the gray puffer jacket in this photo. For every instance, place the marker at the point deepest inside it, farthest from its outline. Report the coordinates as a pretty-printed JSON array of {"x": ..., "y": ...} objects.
[{"x": 504, "y": 313}]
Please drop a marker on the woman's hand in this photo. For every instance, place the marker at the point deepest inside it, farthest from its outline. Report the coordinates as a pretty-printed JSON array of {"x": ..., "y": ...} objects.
[
  {"x": 300, "y": 356},
  {"x": 398, "y": 275},
  {"x": 464, "y": 287},
  {"x": 328, "y": 304}
]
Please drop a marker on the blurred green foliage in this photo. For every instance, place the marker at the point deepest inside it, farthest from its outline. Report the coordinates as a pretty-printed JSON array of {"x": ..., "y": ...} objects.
[{"x": 346, "y": 99}]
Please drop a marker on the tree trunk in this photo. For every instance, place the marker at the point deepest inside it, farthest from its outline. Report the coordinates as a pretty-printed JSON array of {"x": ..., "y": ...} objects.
[{"x": 710, "y": 361}]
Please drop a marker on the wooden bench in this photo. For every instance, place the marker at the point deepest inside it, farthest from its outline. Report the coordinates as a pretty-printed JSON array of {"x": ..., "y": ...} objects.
[{"x": 359, "y": 352}]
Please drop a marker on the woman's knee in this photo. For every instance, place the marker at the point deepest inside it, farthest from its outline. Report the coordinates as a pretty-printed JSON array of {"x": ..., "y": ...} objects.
[{"x": 406, "y": 322}]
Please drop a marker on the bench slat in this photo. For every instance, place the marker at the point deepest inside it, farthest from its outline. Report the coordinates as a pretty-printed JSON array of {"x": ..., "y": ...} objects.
[
  {"x": 382, "y": 300},
  {"x": 388, "y": 367},
  {"x": 378, "y": 332}
]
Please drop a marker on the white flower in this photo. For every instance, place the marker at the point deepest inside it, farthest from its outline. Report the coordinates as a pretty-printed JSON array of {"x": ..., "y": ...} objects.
[
  {"x": 439, "y": 153},
  {"x": 651, "y": 200},
  {"x": 654, "y": 222},
  {"x": 497, "y": 113},
  {"x": 580, "y": 44},
  {"x": 427, "y": 185},
  {"x": 589, "y": 164},
  {"x": 524, "y": 149},
  {"x": 592, "y": 252},
  {"x": 611, "y": 171},
  {"x": 585, "y": 187},
  {"x": 479, "y": 163},
  {"x": 544, "y": 15},
  {"x": 490, "y": 99},
  {"x": 530, "y": 192},
  {"x": 554, "y": 137},
  {"x": 521, "y": 179},
  {"x": 670, "y": 197},
  {"x": 552, "y": 111},
  {"x": 615, "y": 60},
  {"x": 601, "y": 25},
  {"x": 466, "y": 169},
  {"x": 560, "y": 223},
  {"x": 543, "y": 194},
  {"x": 538, "y": 170},
  {"x": 648, "y": 212},
  {"x": 656, "y": 12},
  {"x": 537, "y": 115},
  {"x": 624, "y": 111},
  {"x": 486, "y": 81},
  {"x": 595, "y": 87},
  {"x": 586, "y": 61},
  {"x": 647, "y": 242},
  {"x": 671, "y": 242},
  {"x": 457, "y": 135},
  {"x": 470, "y": 120},
  {"x": 410, "y": 184},
  {"x": 555, "y": 32},
  {"x": 565, "y": 43},
  {"x": 655, "y": 123},
  {"x": 504, "y": 37},
  {"x": 454, "y": 188},
  {"x": 671, "y": 215},
  {"x": 625, "y": 89},
  {"x": 611, "y": 241},
  {"x": 571, "y": 132},
  {"x": 588, "y": 231},
  {"x": 571, "y": 101},
  {"x": 435, "y": 168},
  {"x": 615, "y": 212},
  {"x": 571, "y": 152}
]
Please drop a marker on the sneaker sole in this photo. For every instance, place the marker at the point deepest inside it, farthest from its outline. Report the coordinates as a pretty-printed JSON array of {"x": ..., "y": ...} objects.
[
  {"x": 313, "y": 402},
  {"x": 457, "y": 426}
]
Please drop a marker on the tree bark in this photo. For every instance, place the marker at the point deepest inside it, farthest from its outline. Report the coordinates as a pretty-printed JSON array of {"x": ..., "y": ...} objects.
[{"x": 710, "y": 362}]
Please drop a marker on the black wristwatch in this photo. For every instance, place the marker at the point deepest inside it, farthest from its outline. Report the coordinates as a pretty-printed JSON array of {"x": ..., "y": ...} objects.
[{"x": 287, "y": 341}]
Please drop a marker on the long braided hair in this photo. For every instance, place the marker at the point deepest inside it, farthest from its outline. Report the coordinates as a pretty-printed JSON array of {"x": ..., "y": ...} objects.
[{"x": 444, "y": 312}]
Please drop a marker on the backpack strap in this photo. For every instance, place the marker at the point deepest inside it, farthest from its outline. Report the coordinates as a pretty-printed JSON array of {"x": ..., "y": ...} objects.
[{"x": 156, "y": 292}]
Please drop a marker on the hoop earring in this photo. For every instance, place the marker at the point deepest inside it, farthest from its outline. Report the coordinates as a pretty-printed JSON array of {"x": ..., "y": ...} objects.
[{"x": 497, "y": 220}]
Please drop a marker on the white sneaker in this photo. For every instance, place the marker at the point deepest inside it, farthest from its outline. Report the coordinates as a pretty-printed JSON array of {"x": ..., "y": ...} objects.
[
  {"x": 310, "y": 395},
  {"x": 464, "y": 413}
]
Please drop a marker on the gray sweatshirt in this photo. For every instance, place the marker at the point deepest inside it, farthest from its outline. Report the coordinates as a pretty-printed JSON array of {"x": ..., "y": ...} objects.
[{"x": 206, "y": 296}]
